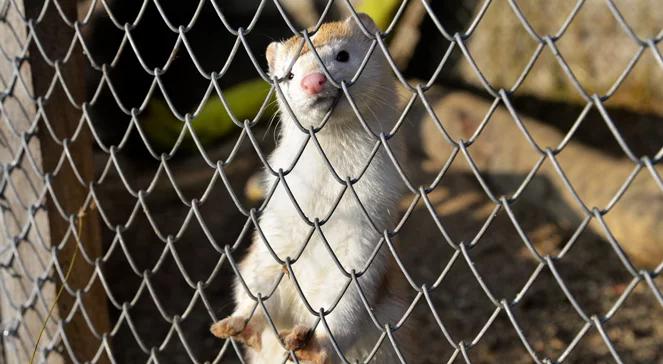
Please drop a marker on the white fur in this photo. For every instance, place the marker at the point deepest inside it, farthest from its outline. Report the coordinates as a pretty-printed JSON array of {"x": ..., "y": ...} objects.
[{"x": 348, "y": 148}]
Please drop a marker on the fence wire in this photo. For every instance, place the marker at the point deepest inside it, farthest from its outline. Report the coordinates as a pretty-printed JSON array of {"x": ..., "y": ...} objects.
[{"x": 28, "y": 259}]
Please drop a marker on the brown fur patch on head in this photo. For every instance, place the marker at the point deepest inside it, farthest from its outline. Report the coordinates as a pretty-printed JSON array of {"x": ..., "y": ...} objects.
[
  {"x": 329, "y": 32},
  {"x": 325, "y": 34}
]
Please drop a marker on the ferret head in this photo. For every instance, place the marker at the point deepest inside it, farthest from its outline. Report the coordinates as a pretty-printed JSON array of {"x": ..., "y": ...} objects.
[{"x": 342, "y": 47}]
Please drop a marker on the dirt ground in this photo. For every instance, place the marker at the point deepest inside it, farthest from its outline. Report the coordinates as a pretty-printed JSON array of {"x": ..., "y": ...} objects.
[{"x": 590, "y": 269}]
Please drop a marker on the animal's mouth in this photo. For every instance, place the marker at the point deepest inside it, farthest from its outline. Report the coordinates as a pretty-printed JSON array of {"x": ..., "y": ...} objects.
[
  {"x": 326, "y": 101},
  {"x": 322, "y": 101}
]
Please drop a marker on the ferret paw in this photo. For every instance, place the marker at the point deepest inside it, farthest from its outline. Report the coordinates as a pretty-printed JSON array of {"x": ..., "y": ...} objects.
[
  {"x": 306, "y": 346},
  {"x": 228, "y": 327},
  {"x": 237, "y": 328},
  {"x": 296, "y": 338},
  {"x": 316, "y": 356}
]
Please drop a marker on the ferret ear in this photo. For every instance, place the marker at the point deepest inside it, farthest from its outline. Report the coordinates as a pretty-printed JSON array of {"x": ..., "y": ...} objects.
[
  {"x": 365, "y": 19},
  {"x": 272, "y": 48}
]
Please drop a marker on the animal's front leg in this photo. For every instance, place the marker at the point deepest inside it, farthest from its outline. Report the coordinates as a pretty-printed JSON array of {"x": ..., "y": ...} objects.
[
  {"x": 306, "y": 345},
  {"x": 247, "y": 322},
  {"x": 240, "y": 328},
  {"x": 344, "y": 323}
]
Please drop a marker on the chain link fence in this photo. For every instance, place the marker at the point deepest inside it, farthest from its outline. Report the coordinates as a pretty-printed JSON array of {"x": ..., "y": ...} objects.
[{"x": 57, "y": 232}]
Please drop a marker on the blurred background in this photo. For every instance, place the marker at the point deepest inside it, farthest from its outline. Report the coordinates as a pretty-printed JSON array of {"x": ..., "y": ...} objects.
[{"x": 601, "y": 54}]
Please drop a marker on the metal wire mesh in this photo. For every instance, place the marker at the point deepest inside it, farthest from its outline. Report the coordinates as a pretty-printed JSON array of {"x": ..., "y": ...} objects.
[{"x": 27, "y": 258}]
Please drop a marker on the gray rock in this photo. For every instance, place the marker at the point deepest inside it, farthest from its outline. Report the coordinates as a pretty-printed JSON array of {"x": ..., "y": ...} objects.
[
  {"x": 504, "y": 158},
  {"x": 595, "y": 46}
]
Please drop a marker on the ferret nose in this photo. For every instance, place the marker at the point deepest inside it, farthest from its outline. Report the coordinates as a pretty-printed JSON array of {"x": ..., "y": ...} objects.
[{"x": 313, "y": 83}]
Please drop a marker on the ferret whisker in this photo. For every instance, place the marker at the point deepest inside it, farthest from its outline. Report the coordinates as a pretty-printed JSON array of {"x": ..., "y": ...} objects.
[
  {"x": 269, "y": 125},
  {"x": 382, "y": 102}
]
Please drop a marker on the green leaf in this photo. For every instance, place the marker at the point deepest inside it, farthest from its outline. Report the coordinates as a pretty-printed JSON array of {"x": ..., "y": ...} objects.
[
  {"x": 382, "y": 11},
  {"x": 213, "y": 122}
]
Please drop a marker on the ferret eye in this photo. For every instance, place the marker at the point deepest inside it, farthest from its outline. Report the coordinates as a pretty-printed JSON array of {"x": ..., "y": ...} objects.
[
  {"x": 342, "y": 56},
  {"x": 290, "y": 76}
]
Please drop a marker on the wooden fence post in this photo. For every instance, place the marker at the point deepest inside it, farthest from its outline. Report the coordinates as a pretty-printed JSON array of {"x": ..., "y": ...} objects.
[{"x": 32, "y": 221}]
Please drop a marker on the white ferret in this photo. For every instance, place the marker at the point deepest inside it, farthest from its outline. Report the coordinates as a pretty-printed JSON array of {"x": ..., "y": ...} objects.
[{"x": 351, "y": 235}]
